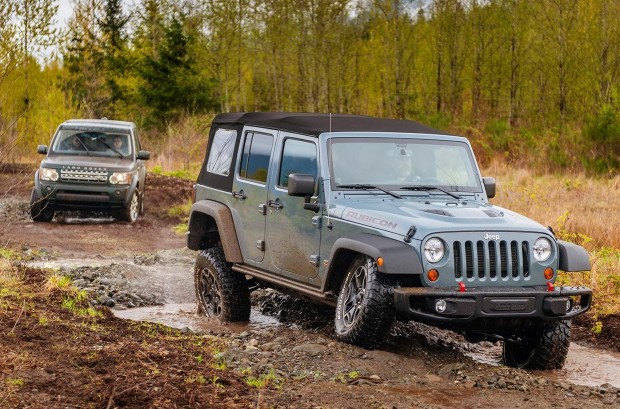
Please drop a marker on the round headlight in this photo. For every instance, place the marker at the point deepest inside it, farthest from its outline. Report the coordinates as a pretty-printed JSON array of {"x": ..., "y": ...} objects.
[
  {"x": 433, "y": 250},
  {"x": 542, "y": 249}
]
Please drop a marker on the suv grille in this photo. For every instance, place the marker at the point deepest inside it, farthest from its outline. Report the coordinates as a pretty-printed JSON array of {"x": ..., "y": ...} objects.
[
  {"x": 491, "y": 259},
  {"x": 75, "y": 175}
]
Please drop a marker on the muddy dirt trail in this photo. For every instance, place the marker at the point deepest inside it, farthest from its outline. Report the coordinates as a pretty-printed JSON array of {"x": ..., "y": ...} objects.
[{"x": 144, "y": 272}]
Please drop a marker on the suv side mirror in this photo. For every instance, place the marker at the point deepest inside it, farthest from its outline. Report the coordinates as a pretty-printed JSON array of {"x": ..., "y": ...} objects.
[
  {"x": 489, "y": 186},
  {"x": 303, "y": 185},
  {"x": 42, "y": 149},
  {"x": 144, "y": 155},
  {"x": 300, "y": 184}
]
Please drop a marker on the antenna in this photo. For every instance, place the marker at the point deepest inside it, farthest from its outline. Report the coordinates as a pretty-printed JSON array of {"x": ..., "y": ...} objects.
[{"x": 327, "y": 197}]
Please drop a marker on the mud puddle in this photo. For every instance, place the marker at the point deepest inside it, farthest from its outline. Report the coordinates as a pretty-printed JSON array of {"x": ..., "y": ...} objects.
[
  {"x": 584, "y": 366},
  {"x": 166, "y": 278}
]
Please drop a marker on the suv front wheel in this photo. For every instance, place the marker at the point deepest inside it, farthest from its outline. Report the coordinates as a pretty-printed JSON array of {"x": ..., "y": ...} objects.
[
  {"x": 220, "y": 292},
  {"x": 546, "y": 349},
  {"x": 364, "y": 312},
  {"x": 40, "y": 211},
  {"x": 131, "y": 211}
]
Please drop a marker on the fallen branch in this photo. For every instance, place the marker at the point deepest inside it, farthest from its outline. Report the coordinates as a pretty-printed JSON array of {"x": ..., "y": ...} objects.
[{"x": 19, "y": 316}]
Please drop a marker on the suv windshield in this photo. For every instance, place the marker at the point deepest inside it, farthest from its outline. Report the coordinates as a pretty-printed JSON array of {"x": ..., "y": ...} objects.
[
  {"x": 92, "y": 142},
  {"x": 394, "y": 163}
]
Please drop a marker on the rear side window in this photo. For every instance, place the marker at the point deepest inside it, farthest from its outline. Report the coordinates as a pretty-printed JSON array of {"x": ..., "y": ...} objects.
[
  {"x": 255, "y": 159},
  {"x": 297, "y": 157},
  {"x": 222, "y": 151}
]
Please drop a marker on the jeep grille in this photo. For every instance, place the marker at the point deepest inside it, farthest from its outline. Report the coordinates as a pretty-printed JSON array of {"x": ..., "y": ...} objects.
[
  {"x": 75, "y": 175},
  {"x": 491, "y": 259}
]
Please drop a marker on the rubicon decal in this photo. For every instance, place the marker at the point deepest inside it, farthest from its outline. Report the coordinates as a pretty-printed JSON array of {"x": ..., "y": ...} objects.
[{"x": 351, "y": 215}]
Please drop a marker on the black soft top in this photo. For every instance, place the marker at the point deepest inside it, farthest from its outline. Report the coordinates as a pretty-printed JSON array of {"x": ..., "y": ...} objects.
[{"x": 316, "y": 124}]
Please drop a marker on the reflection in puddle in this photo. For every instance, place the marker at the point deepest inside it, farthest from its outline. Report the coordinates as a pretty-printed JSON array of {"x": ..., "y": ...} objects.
[{"x": 185, "y": 316}]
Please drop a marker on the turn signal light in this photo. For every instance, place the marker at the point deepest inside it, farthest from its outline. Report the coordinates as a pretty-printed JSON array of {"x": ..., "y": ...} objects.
[
  {"x": 548, "y": 273},
  {"x": 380, "y": 261},
  {"x": 433, "y": 275}
]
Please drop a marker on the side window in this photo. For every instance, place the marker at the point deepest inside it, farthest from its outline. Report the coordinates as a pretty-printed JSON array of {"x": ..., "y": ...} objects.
[
  {"x": 297, "y": 157},
  {"x": 221, "y": 154},
  {"x": 255, "y": 157}
]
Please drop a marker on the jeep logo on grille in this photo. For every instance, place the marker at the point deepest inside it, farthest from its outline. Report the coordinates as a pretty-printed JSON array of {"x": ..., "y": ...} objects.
[{"x": 491, "y": 236}]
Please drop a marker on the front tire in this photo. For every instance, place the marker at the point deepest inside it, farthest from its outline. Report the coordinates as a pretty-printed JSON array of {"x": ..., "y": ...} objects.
[
  {"x": 132, "y": 209},
  {"x": 364, "y": 311},
  {"x": 40, "y": 210},
  {"x": 220, "y": 292},
  {"x": 546, "y": 349}
]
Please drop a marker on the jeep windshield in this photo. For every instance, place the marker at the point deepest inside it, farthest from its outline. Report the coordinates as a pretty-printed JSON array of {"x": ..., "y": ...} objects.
[
  {"x": 92, "y": 142},
  {"x": 415, "y": 164}
]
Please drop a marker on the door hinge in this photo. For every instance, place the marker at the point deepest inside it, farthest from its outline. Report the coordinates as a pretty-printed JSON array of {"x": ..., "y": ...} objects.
[
  {"x": 314, "y": 260},
  {"x": 262, "y": 209},
  {"x": 260, "y": 244},
  {"x": 317, "y": 221}
]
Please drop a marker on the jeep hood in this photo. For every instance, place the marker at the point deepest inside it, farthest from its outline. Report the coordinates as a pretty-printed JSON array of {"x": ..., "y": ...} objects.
[
  {"x": 432, "y": 216},
  {"x": 110, "y": 163}
]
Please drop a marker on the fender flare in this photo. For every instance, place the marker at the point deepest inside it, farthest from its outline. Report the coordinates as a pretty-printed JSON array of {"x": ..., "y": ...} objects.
[
  {"x": 206, "y": 216},
  {"x": 572, "y": 257},
  {"x": 398, "y": 257}
]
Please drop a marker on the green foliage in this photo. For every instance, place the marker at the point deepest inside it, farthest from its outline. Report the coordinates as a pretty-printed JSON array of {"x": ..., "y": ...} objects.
[{"x": 603, "y": 131}]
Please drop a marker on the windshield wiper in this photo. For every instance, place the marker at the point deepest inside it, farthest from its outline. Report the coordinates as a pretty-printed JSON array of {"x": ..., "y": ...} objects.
[
  {"x": 84, "y": 146},
  {"x": 368, "y": 187},
  {"x": 428, "y": 187}
]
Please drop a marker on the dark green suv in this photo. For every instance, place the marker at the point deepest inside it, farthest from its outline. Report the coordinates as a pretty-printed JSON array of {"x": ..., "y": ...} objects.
[
  {"x": 384, "y": 220},
  {"x": 91, "y": 165}
]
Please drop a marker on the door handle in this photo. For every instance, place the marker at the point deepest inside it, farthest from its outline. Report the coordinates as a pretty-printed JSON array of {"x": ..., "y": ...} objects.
[
  {"x": 276, "y": 204},
  {"x": 239, "y": 195}
]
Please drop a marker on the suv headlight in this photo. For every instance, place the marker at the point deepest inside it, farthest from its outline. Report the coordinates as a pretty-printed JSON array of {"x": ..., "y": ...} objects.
[
  {"x": 542, "y": 249},
  {"x": 434, "y": 250},
  {"x": 48, "y": 174},
  {"x": 121, "y": 178}
]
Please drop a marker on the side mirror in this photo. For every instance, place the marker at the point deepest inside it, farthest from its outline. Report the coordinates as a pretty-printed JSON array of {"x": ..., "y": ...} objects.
[
  {"x": 300, "y": 185},
  {"x": 42, "y": 149},
  {"x": 303, "y": 185},
  {"x": 489, "y": 186},
  {"x": 144, "y": 155}
]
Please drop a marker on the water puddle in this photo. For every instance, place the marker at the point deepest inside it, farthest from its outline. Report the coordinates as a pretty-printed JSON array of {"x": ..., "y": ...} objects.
[
  {"x": 584, "y": 366},
  {"x": 185, "y": 316}
]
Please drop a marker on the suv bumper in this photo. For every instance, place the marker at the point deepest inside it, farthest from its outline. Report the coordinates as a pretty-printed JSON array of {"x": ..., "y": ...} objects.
[
  {"x": 506, "y": 302},
  {"x": 66, "y": 196}
]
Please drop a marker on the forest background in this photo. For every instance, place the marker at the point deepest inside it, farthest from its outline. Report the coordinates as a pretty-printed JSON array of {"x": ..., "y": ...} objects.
[{"x": 534, "y": 85}]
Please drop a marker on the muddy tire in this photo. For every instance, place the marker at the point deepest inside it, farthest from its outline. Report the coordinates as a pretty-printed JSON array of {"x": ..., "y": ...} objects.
[
  {"x": 220, "y": 292},
  {"x": 131, "y": 211},
  {"x": 40, "y": 211},
  {"x": 547, "y": 349},
  {"x": 364, "y": 311}
]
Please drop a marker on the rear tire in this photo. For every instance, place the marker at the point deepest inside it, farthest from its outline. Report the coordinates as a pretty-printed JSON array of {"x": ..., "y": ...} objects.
[
  {"x": 546, "y": 349},
  {"x": 220, "y": 292},
  {"x": 40, "y": 210},
  {"x": 364, "y": 311}
]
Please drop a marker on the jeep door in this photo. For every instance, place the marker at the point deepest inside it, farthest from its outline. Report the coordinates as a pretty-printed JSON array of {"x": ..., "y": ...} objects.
[
  {"x": 250, "y": 191},
  {"x": 293, "y": 233}
]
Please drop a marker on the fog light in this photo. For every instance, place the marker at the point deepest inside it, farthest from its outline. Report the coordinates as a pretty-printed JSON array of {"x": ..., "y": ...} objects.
[
  {"x": 569, "y": 305},
  {"x": 117, "y": 193},
  {"x": 48, "y": 188},
  {"x": 440, "y": 306},
  {"x": 548, "y": 273},
  {"x": 433, "y": 275}
]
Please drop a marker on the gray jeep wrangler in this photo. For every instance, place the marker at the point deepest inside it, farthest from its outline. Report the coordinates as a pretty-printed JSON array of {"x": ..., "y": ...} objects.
[
  {"x": 384, "y": 220},
  {"x": 92, "y": 164}
]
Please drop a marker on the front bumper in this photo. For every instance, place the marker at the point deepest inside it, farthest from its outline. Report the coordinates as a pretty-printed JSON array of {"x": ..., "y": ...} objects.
[
  {"x": 484, "y": 303},
  {"x": 71, "y": 196}
]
